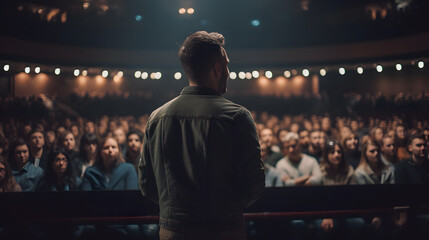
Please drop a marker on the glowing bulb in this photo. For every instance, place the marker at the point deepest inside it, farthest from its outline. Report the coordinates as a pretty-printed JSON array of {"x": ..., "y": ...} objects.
[
  {"x": 359, "y": 70},
  {"x": 421, "y": 64},
  {"x": 158, "y": 75},
  {"x": 191, "y": 11},
  {"x": 322, "y": 72},
  {"x": 37, "y": 69},
  {"x": 57, "y": 71},
  {"x": 305, "y": 72},
  {"x": 232, "y": 75},
  {"x": 27, "y": 70},
  {"x": 241, "y": 75},
  {"x": 182, "y": 11},
  {"x": 144, "y": 75},
  {"x": 104, "y": 73},
  {"x": 255, "y": 74},
  {"x": 84, "y": 73},
  {"x": 268, "y": 74},
  {"x": 120, "y": 74},
  {"x": 248, "y": 75},
  {"x": 6, "y": 67},
  {"x": 177, "y": 76},
  {"x": 342, "y": 71},
  {"x": 379, "y": 68},
  {"x": 398, "y": 67},
  {"x": 137, "y": 74},
  {"x": 287, "y": 74},
  {"x": 76, "y": 72}
]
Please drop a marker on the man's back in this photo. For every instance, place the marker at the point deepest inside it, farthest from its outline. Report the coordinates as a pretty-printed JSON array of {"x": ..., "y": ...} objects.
[{"x": 205, "y": 156}]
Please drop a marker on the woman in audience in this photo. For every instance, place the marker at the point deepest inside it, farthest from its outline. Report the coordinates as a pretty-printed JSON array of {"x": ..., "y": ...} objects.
[
  {"x": 371, "y": 169},
  {"x": 351, "y": 149},
  {"x": 7, "y": 181},
  {"x": 59, "y": 175},
  {"x": 87, "y": 152},
  {"x": 335, "y": 169},
  {"x": 135, "y": 144},
  {"x": 110, "y": 172},
  {"x": 26, "y": 174},
  {"x": 67, "y": 141}
]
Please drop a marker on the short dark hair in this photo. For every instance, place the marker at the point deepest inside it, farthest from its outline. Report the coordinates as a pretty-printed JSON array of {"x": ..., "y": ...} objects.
[
  {"x": 416, "y": 136},
  {"x": 198, "y": 53},
  {"x": 136, "y": 132}
]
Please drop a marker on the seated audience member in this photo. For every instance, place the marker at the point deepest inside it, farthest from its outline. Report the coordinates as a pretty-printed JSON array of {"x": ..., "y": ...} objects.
[
  {"x": 59, "y": 175},
  {"x": 110, "y": 172},
  {"x": 135, "y": 144},
  {"x": 67, "y": 141},
  {"x": 371, "y": 169},
  {"x": 315, "y": 149},
  {"x": 335, "y": 170},
  {"x": 7, "y": 181},
  {"x": 120, "y": 136},
  {"x": 272, "y": 175},
  {"x": 388, "y": 151},
  {"x": 401, "y": 143},
  {"x": 74, "y": 129},
  {"x": 351, "y": 149},
  {"x": 50, "y": 139},
  {"x": 416, "y": 168},
  {"x": 296, "y": 168},
  {"x": 267, "y": 137},
  {"x": 89, "y": 127},
  {"x": 87, "y": 153},
  {"x": 38, "y": 152},
  {"x": 377, "y": 134},
  {"x": 304, "y": 139},
  {"x": 26, "y": 174}
]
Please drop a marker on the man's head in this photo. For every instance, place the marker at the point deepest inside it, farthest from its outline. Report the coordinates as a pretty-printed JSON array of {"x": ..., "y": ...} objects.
[
  {"x": 418, "y": 147},
  {"x": 267, "y": 137},
  {"x": 205, "y": 60},
  {"x": 388, "y": 147},
  {"x": 291, "y": 147},
  {"x": 315, "y": 137}
]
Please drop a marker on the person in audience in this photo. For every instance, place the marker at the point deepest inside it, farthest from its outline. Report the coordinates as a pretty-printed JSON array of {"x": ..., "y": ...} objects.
[
  {"x": 59, "y": 175},
  {"x": 371, "y": 169},
  {"x": 120, "y": 136},
  {"x": 351, "y": 149},
  {"x": 135, "y": 144},
  {"x": 304, "y": 139},
  {"x": 7, "y": 181},
  {"x": 401, "y": 142},
  {"x": 388, "y": 151},
  {"x": 74, "y": 129},
  {"x": 87, "y": 153},
  {"x": 335, "y": 169},
  {"x": 50, "y": 139},
  {"x": 110, "y": 172},
  {"x": 272, "y": 175},
  {"x": 67, "y": 141},
  {"x": 415, "y": 169},
  {"x": 376, "y": 134},
  {"x": 267, "y": 137},
  {"x": 89, "y": 127},
  {"x": 314, "y": 148},
  {"x": 38, "y": 151},
  {"x": 296, "y": 168},
  {"x": 25, "y": 173}
]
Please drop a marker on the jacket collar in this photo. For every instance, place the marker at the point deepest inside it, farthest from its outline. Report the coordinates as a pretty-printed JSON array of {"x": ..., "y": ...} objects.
[{"x": 198, "y": 90}]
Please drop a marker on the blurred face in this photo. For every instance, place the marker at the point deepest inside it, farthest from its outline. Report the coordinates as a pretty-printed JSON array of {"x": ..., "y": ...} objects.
[
  {"x": 91, "y": 148},
  {"x": 418, "y": 148},
  {"x": 304, "y": 138},
  {"x": 372, "y": 154},
  {"x": 335, "y": 157},
  {"x": 354, "y": 125},
  {"x": 21, "y": 155},
  {"x": 352, "y": 143},
  {"x": 51, "y": 136},
  {"x": 282, "y": 134},
  {"x": 2, "y": 171},
  {"x": 388, "y": 147},
  {"x": 345, "y": 131},
  {"x": 110, "y": 152},
  {"x": 326, "y": 124},
  {"x": 37, "y": 140},
  {"x": 315, "y": 139},
  {"x": 378, "y": 134},
  {"x": 267, "y": 137},
  {"x": 60, "y": 163},
  {"x": 134, "y": 143},
  {"x": 69, "y": 142},
  {"x": 292, "y": 150},
  {"x": 75, "y": 131},
  {"x": 294, "y": 127},
  {"x": 400, "y": 132},
  {"x": 89, "y": 127},
  {"x": 119, "y": 135}
]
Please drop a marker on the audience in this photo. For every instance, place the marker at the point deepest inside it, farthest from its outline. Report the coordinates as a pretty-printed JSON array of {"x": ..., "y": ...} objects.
[{"x": 7, "y": 181}]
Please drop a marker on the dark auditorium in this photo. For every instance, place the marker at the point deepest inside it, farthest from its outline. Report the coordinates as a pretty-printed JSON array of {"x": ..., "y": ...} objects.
[{"x": 214, "y": 120}]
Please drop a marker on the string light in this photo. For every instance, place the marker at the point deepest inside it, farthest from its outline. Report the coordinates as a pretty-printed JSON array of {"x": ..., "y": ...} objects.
[
  {"x": 232, "y": 75},
  {"x": 84, "y": 73},
  {"x": 241, "y": 75},
  {"x": 287, "y": 74},
  {"x": 359, "y": 70},
  {"x": 57, "y": 71},
  {"x": 421, "y": 64},
  {"x": 305, "y": 72},
  {"x": 268, "y": 74},
  {"x": 76, "y": 72},
  {"x": 6, "y": 67},
  {"x": 27, "y": 70},
  {"x": 37, "y": 69},
  {"x": 144, "y": 75},
  {"x": 322, "y": 72},
  {"x": 342, "y": 71},
  {"x": 255, "y": 74},
  {"x": 177, "y": 75},
  {"x": 398, "y": 67},
  {"x": 137, "y": 74},
  {"x": 104, "y": 73},
  {"x": 379, "y": 68}
]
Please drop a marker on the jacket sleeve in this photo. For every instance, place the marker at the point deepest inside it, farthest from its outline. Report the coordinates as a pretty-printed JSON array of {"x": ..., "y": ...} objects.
[
  {"x": 250, "y": 175},
  {"x": 146, "y": 176}
]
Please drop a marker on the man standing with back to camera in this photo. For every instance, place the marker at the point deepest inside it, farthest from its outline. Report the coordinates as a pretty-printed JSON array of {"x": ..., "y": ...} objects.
[{"x": 201, "y": 158}]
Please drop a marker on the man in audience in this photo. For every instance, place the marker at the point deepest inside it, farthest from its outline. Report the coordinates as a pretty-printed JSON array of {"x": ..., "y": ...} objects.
[
  {"x": 272, "y": 175},
  {"x": 296, "y": 168},
  {"x": 388, "y": 151},
  {"x": 38, "y": 153},
  {"x": 304, "y": 139},
  {"x": 267, "y": 137},
  {"x": 415, "y": 169},
  {"x": 315, "y": 149}
]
